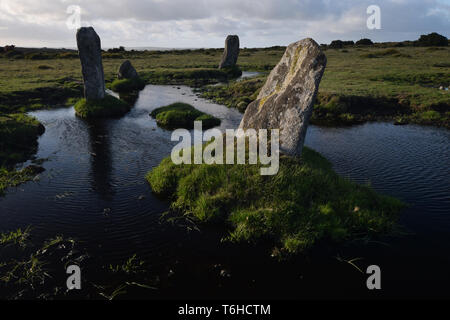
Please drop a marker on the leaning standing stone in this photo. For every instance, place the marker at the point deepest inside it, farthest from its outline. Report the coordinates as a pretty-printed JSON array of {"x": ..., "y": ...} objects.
[
  {"x": 286, "y": 100},
  {"x": 89, "y": 49},
  {"x": 231, "y": 52},
  {"x": 127, "y": 71}
]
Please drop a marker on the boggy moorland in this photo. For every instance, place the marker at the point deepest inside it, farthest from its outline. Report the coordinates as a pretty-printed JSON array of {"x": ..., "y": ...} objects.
[{"x": 361, "y": 83}]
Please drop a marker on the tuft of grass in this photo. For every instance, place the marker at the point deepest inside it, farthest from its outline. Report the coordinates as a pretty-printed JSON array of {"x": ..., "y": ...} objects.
[
  {"x": 53, "y": 242},
  {"x": 132, "y": 266},
  {"x": 29, "y": 273},
  {"x": 430, "y": 115},
  {"x": 12, "y": 178},
  {"x": 108, "y": 107},
  {"x": 15, "y": 237},
  {"x": 182, "y": 115},
  {"x": 18, "y": 138},
  {"x": 304, "y": 203}
]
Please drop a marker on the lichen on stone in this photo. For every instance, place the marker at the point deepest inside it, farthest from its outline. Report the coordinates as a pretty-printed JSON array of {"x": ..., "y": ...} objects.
[
  {"x": 295, "y": 60},
  {"x": 264, "y": 99}
]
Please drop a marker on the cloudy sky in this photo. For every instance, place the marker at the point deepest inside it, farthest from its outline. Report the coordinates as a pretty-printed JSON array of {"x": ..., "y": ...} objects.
[{"x": 205, "y": 23}]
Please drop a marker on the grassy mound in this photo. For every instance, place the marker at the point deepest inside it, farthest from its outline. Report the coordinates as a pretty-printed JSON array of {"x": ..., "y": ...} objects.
[
  {"x": 108, "y": 107},
  {"x": 18, "y": 137},
  {"x": 304, "y": 203},
  {"x": 127, "y": 85},
  {"x": 182, "y": 115}
]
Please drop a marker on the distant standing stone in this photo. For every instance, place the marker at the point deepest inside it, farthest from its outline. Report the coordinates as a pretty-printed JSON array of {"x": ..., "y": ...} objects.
[
  {"x": 231, "y": 52},
  {"x": 127, "y": 71},
  {"x": 89, "y": 49},
  {"x": 286, "y": 100}
]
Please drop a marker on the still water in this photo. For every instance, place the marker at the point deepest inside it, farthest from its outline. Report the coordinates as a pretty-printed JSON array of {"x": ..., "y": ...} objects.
[{"x": 94, "y": 190}]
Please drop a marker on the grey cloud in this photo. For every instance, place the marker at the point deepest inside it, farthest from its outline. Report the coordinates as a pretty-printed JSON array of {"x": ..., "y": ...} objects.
[{"x": 195, "y": 23}]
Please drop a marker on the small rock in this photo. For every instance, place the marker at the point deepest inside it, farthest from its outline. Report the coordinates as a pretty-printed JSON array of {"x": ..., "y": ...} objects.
[
  {"x": 141, "y": 197},
  {"x": 127, "y": 71}
]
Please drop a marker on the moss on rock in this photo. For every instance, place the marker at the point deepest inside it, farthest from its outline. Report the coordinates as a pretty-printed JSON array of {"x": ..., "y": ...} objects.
[{"x": 127, "y": 85}]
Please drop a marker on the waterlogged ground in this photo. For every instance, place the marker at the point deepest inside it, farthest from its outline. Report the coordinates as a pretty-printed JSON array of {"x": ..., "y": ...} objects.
[{"x": 94, "y": 190}]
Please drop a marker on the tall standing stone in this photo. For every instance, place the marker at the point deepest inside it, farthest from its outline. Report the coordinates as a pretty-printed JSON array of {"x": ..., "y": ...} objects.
[
  {"x": 286, "y": 100},
  {"x": 231, "y": 52},
  {"x": 89, "y": 49}
]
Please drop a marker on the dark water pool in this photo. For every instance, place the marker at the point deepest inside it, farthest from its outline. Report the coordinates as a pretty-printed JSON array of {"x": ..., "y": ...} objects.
[{"x": 94, "y": 190}]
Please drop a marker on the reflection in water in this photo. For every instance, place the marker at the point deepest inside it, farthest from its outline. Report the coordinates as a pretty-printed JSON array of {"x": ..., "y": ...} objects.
[
  {"x": 101, "y": 159},
  {"x": 130, "y": 98}
]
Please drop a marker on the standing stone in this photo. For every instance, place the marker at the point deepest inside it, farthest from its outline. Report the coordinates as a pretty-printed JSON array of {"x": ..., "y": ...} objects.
[
  {"x": 231, "y": 52},
  {"x": 90, "y": 52},
  {"x": 127, "y": 71},
  {"x": 286, "y": 100}
]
